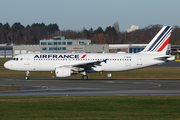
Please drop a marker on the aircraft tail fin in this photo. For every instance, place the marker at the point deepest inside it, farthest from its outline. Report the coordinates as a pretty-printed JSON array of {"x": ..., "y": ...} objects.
[{"x": 160, "y": 42}]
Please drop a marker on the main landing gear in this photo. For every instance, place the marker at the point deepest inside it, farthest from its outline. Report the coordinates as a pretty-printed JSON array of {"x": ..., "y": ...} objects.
[
  {"x": 27, "y": 76},
  {"x": 84, "y": 77}
]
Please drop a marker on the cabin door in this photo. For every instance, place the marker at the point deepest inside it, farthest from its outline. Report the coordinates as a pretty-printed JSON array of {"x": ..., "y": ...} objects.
[
  {"x": 27, "y": 60},
  {"x": 139, "y": 60}
]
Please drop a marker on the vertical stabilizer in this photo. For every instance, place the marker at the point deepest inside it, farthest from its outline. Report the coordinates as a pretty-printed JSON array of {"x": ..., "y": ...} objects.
[{"x": 159, "y": 43}]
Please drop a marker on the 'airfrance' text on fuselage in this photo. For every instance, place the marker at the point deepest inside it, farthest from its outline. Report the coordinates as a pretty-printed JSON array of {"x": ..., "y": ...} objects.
[{"x": 56, "y": 56}]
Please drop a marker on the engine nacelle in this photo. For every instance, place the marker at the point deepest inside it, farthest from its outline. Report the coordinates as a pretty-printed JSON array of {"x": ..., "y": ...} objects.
[{"x": 63, "y": 72}]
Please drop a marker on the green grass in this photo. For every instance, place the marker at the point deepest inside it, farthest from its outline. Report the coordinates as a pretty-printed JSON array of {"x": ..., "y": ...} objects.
[
  {"x": 12, "y": 88},
  {"x": 87, "y": 108},
  {"x": 144, "y": 73}
]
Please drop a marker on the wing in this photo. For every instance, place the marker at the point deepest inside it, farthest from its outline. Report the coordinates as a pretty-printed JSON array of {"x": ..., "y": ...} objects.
[
  {"x": 87, "y": 64},
  {"x": 84, "y": 65}
]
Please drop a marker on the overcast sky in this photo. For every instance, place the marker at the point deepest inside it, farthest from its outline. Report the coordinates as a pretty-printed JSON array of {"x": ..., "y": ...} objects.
[{"x": 76, "y": 14}]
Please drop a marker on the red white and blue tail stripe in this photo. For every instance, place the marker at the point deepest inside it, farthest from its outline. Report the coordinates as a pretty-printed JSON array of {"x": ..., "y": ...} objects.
[{"x": 159, "y": 43}]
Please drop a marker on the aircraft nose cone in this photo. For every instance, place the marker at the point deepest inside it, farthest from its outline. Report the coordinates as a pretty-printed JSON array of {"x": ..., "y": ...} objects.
[{"x": 6, "y": 65}]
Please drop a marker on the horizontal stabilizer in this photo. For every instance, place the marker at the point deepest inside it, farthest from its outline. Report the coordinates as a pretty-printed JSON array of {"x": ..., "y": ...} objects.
[{"x": 165, "y": 58}]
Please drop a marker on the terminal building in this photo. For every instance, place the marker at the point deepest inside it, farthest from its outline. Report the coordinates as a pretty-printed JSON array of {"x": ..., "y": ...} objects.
[
  {"x": 21, "y": 49},
  {"x": 6, "y": 51},
  {"x": 127, "y": 48},
  {"x": 61, "y": 45}
]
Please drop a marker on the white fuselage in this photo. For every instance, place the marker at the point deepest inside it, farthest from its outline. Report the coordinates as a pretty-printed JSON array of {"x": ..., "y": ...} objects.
[{"x": 114, "y": 62}]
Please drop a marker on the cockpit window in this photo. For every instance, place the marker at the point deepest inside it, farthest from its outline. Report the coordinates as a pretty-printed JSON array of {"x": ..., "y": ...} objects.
[{"x": 16, "y": 59}]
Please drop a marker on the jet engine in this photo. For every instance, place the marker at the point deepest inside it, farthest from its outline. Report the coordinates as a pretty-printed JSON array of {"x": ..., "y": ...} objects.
[{"x": 63, "y": 72}]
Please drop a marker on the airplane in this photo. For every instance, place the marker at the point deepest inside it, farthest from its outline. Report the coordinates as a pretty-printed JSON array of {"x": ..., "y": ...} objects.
[{"x": 67, "y": 64}]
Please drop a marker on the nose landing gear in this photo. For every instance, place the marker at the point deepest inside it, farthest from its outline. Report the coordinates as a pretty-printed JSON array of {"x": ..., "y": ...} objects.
[{"x": 27, "y": 76}]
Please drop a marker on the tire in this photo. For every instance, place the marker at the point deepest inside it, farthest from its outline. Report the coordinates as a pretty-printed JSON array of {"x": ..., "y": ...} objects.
[
  {"x": 85, "y": 77},
  {"x": 26, "y": 78}
]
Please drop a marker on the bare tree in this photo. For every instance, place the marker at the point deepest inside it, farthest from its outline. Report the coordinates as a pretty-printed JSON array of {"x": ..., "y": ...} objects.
[{"x": 116, "y": 27}]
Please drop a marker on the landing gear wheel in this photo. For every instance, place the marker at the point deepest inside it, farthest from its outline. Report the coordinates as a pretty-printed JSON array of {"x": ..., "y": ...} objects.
[
  {"x": 26, "y": 78},
  {"x": 27, "y": 75},
  {"x": 85, "y": 77}
]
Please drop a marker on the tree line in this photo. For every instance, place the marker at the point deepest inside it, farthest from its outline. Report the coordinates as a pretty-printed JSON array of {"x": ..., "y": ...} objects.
[{"x": 19, "y": 34}]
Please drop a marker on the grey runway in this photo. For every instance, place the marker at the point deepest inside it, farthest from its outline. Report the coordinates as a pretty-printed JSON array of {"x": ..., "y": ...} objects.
[
  {"x": 92, "y": 87},
  {"x": 169, "y": 64}
]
